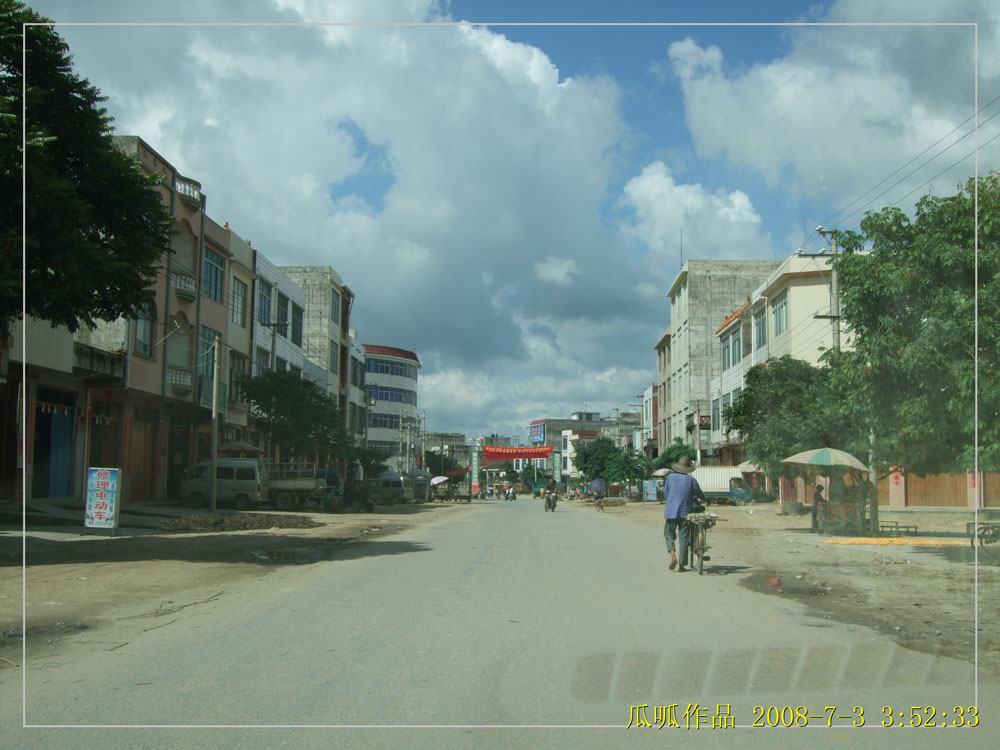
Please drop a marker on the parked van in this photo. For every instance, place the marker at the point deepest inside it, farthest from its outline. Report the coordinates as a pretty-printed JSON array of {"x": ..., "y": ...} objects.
[
  {"x": 239, "y": 482},
  {"x": 390, "y": 490}
]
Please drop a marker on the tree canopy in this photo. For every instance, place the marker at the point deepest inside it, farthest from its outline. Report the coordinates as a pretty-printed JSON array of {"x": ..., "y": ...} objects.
[
  {"x": 595, "y": 458},
  {"x": 904, "y": 389},
  {"x": 673, "y": 453},
  {"x": 94, "y": 228},
  {"x": 909, "y": 294},
  {"x": 786, "y": 407},
  {"x": 601, "y": 458},
  {"x": 295, "y": 414}
]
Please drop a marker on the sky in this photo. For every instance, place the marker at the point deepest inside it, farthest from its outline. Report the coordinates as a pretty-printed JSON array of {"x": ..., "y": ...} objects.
[{"x": 510, "y": 194}]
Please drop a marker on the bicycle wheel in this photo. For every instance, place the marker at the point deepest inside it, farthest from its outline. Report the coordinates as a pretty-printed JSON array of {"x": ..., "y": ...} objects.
[{"x": 701, "y": 546}]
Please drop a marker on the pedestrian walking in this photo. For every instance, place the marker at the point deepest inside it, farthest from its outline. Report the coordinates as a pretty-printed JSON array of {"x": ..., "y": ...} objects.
[{"x": 679, "y": 491}]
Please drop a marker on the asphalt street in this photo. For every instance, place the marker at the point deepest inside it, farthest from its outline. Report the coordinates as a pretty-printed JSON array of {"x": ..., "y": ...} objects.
[{"x": 502, "y": 626}]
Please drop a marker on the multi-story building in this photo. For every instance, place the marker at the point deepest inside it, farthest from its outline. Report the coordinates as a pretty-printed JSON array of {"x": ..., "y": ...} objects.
[
  {"x": 133, "y": 393},
  {"x": 326, "y": 338},
  {"x": 278, "y": 322},
  {"x": 650, "y": 426},
  {"x": 550, "y": 432},
  {"x": 572, "y": 442},
  {"x": 624, "y": 430},
  {"x": 787, "y": 314},
  {"x": 358, "y": 404},
  {"x": 702, "y": 294},
  {"x": 239, "y": 338},
  {"x": 393, "y": 422}
]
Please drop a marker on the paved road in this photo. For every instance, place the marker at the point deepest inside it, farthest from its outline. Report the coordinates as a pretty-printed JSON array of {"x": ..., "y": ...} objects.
[{"x": 546, "y": 627}]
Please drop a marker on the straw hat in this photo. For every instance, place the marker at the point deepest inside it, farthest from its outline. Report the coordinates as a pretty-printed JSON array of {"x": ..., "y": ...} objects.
[{"x": 685, "y": 466}]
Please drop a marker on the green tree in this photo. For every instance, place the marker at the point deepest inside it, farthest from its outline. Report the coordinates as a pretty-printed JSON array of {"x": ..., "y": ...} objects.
[
  {"x": 628, "y": 466},
  {"x": 295, "y": 414},
  {"x": 595, "y": 459},
  {"x": 95, "y": 229},
  {"x": 673, "y": 453},
  {"x": 437, "y": 463},
  {"x": 786, "y": 407},
  {"x": 909, "y": 291}
]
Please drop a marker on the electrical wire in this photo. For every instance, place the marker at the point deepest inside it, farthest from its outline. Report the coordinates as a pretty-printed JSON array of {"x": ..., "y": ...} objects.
[{"x": 904, "y": 166}]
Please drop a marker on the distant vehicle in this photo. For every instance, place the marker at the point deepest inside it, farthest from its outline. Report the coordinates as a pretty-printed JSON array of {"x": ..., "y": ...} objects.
[
  {"x": 725, "y": 484},
  {"x": 390, "y": 490},
  {"x": 239, "y": 482}
]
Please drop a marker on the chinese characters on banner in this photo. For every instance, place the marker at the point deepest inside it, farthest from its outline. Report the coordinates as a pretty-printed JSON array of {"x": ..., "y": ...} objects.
[{"x": 102, "y": 499}]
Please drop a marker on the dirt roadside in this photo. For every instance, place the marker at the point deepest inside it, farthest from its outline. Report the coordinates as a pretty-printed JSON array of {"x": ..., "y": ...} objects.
[
  {"x": 920, "y": 590},
  {"x": 922, "y": 596},
  {"x": 76, "y": 583}
]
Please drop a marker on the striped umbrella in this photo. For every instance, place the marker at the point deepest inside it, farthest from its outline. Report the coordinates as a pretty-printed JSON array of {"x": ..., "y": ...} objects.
[{"x": 825, "y": 458}]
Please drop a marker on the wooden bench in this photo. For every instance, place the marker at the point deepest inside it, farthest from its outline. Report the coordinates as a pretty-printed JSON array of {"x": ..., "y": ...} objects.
[
  {"x": 895, "y": 528},
  {"x": 987, "y": 532}
]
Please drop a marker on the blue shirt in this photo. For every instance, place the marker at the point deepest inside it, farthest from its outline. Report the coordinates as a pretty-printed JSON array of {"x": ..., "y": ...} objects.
[{"x": 679, "y": 491}]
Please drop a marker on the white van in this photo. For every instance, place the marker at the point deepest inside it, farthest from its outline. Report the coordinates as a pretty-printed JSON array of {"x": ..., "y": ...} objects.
[{"x": 239, "y": 482}]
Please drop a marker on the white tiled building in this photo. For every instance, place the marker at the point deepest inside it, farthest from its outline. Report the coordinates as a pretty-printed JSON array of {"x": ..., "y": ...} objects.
[{"x": 788, "y": 314}]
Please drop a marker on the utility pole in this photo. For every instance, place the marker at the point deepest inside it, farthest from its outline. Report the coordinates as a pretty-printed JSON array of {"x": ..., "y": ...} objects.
[
  {"x": 834, "y": 285},
  {"x": 697, "y": 430},
  {"x": 214, "y": 451}
]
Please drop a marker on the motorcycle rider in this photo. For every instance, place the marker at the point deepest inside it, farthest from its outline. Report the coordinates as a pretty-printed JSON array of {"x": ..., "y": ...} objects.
[{"x": 551, "y": 491}]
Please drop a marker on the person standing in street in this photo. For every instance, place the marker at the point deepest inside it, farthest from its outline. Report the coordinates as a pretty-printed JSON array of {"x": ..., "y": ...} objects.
[
  {"x": 817, "y": 499},
  {"x": 679, "y": 490}
]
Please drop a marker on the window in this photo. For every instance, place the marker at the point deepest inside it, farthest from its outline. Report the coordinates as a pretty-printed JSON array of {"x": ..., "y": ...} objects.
[
  {"x": 726, "y": 354},
  {"x": 262, "y": 360},
  {"x": 264, "y": 303},
  {"x": 225, "y": 472},
  {"x": 760, "y": 327},
  {"x": 334, "y": 357},
  {"x": 335, "y": 306},
  {"x": 295, "y": 370},
  {"x": 296, "y": 325},
  {"x": 280, "y": 365},
  {"x": 715, "y": 414},
  {"x": 239, "y": 316},
  {"x": 736, "y": 395},
  {"x": 238, "y": 365},
  {"x": 726, "y": 400},
  {"x": 390, "y": 421},
  {"x": 780, "y": 312},
  {"x": 246, "y": 473},
  {"x": 206, "y": 352},
  {"x": 357, "y": 373},
  {"x": 390, "y": 367},
  {"x": 395, "y": 395},
  {"x": 213, "y": 269},
  {"x": 736, "y": 340},
  {"x": 145, "y": 325},
  {"x": 282, "y": 315}
]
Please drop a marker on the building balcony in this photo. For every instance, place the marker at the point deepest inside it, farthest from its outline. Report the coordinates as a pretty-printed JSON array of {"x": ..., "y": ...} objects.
[
  {"x": 185, "y": 287},
  {"x": 180, "y": 379},
  {"x": 188, "y": 191}
]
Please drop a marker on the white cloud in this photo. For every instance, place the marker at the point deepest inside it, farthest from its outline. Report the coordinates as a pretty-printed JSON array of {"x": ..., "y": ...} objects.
[
  {"x": 557, "y": 270},
  {"x": 459, "y": 181},
  {"x": 714, "y": 224},
  {"x": 847, "y": 105}
]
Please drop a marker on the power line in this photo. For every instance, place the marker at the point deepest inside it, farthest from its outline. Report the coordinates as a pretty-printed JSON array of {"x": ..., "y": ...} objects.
[{"x": 832, "y": 218}]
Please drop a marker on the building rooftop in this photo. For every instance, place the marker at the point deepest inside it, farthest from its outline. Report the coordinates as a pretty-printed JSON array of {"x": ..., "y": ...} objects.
[{"x": 391, "y": 351}]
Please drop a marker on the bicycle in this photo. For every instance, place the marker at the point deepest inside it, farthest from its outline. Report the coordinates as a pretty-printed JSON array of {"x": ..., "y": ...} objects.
[{"x": 699, "y": 524}]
